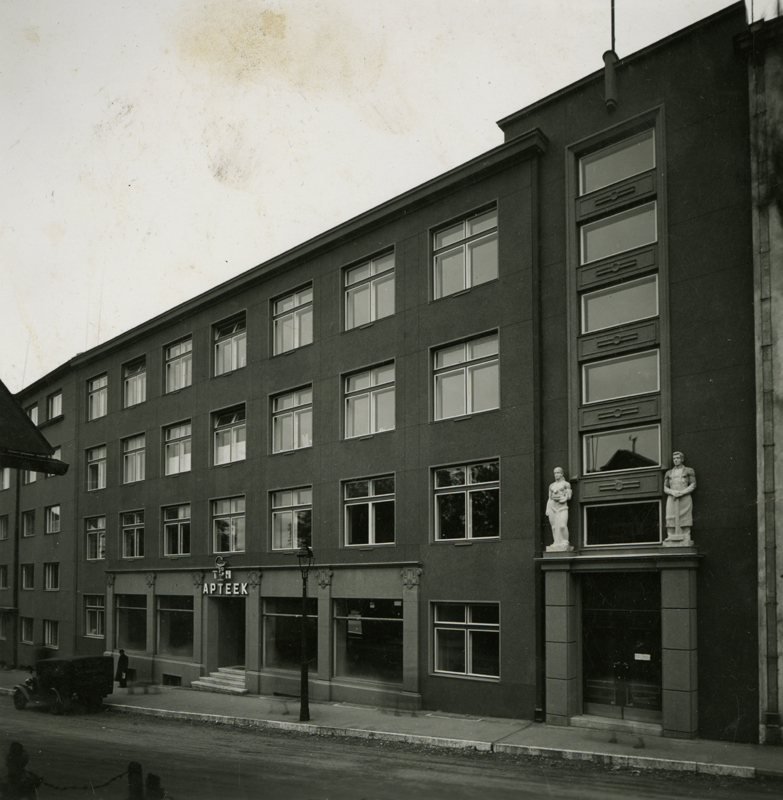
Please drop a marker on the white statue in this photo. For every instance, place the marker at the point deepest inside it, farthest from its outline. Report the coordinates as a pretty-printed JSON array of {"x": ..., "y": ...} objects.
[
  {"x": 557, "y": 511},
  {"x": 678, "y": 483}
]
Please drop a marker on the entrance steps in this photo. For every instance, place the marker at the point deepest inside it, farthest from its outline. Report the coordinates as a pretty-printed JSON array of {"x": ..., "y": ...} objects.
[{"x": 227, "y": 680}]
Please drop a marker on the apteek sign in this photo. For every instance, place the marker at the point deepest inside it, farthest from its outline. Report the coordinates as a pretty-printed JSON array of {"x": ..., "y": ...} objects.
[{"x": 222, "y": 585}]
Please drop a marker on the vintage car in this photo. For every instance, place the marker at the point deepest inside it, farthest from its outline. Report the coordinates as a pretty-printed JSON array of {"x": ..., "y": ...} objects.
[{"x": 61, "y": 683}]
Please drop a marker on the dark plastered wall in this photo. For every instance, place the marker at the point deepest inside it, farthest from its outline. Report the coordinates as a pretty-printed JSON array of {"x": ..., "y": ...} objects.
[{"x": 700, "y": 85}]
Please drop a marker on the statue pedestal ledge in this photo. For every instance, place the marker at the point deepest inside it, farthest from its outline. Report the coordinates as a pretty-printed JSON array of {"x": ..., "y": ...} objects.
[{"x": 559, "y": 548}]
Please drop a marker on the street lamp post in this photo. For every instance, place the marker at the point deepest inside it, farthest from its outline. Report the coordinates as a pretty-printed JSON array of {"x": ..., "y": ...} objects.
[{"x": 306, "y": 559}]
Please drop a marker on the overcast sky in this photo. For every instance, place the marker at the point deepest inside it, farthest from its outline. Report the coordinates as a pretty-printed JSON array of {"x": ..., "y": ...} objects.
[{"x": 156, "y": 148}]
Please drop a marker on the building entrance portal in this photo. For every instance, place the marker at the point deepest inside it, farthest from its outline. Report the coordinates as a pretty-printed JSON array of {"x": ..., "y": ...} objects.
[
  {"x": 621, "y": 645},
  {"x": 231, "y": 631}
]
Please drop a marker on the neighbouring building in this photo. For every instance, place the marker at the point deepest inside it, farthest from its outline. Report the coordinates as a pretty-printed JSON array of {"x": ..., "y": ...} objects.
[{"x": 397, "y": 392}]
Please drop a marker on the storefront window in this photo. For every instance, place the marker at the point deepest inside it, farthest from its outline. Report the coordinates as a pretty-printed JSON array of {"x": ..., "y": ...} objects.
[
  {"x": 283, "y": 633},
  {"x": 131, "y": 621},
  {"x": 175, "y": 626},
  {"x": 368, "y": 639}
]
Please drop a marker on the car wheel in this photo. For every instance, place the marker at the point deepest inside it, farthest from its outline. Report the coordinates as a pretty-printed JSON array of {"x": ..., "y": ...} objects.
[{"x": 20, "y": 701}]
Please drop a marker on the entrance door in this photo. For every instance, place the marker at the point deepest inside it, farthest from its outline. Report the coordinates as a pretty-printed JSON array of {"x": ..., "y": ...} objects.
[
  {"x": 621, "y": 641},
  {"x": 231, "y": 631}
]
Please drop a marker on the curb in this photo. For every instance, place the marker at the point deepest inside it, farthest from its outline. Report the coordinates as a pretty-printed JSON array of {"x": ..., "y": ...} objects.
[{"x": 604, "y": 759}]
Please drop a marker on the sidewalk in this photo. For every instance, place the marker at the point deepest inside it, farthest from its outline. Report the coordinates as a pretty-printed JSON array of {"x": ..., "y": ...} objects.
[{"x": 521, "y": 737}]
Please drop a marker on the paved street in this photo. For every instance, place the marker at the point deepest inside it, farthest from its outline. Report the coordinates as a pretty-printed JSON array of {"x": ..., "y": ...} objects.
[{"x": 199, "y": 762}]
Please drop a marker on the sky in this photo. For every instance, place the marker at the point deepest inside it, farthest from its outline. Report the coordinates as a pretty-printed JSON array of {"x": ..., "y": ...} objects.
[{"x": 154, "y": 149}]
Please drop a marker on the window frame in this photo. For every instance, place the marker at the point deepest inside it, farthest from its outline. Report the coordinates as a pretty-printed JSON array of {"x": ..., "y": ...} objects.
[
  {"x": 467, "y": 366},
  {"x": 32, "y": 413},
  {"x": 279, "y": 509},
  {"x": 233, "y": 342},
  {"x": 5, "y": 478},
  {"x": 591, "y": 434},
  {"x": 371, "y": 392},
  {"x": 468, "y": 627},
  {"x": 616, "y": 359},
  {"x": 297, "y": 411},
  {"x": 57, "y": 455},
  {"x": 626, "y": 213},
  {"x": 25, "y": 636},
  {"x": 98, "y": 396},
  {"x": 179, "y": 443},
  {"x": 294, "y": 314},
  {"x": 465, "y": 243},
  {"x": 51, "y": 576},
  {"x": 54, "y": 405},
  {"x": 91, "y": 606},
  {"x": 52, "y": 520},
  {"x": 132, "y": 525},
  {"x": 371, "y": 500},
  {"x": 617, "y": 287},
  {"x": 51, "y": 638},
  {"x": 178, "y": 524},
  {"x": 372, "y": 280},
  {"x": 3, "y": 576},
  {"x": 237, "y": 448},
  {"x": 4, "y": 527},
  {"x": 467, "y": 488},
  {"x": 230, "y": 516},
  {"x": 134, "y": 382},
  {"x": 28, "y": 523},
  {"x": 175, "y": 365},
  {"x": 134, "y": 459},
  {"x": 620, "y": 502},
  {"x": 614, "y": 144},
  {"x": 99, "y": 534},
  {"x": 96, "y": 464},
  {"x": 27, "y": 577}
]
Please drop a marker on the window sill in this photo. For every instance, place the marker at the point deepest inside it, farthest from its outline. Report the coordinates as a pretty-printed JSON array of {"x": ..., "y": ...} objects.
[
  {"x": 459, "y": 677},
  {"x": 176, "y": 557},
  {"x": 291, "y": 452},
  {"x": 182, "y": 389},
  {"x": 225, "y": 374},
  {"x": 292, "y": 350},
  {"x": 177, "y": 474},
  {"x": 231, "y": 463},
  {"x": 463, "y": 417},
  {"x": 135, "y": 405},
  {"x": 366, "y": 436},
  {"x": 51, "y": 421},
  {"x": 465, "y": 542},
  {"x": 367, "y": 548}
]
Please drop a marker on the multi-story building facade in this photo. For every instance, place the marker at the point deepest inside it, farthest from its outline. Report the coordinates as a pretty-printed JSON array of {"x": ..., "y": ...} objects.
[{"x": 396, "y": 394}]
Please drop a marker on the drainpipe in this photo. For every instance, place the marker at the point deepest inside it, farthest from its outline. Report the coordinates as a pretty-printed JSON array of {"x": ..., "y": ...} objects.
[{"x": 15, "y": 578}]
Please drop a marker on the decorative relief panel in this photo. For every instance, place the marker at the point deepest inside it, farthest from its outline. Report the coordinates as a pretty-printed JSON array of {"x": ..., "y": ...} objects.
[
  {"x": 618, "y": 267},
  {"x": 638, "y": 188},
  {"x": 606, "y": 487},
  {"x": 110, "y": 578},
  {"x": 254, "y": 579},
  {"x": 197, "y": 578},
  {"x": 612, "y": 414},
  {"x": 411, "y": 576},
  {"x": 150, "y": 578},
  {"x": 619, "y": 339},
  {"x": 324, "y": 577}
]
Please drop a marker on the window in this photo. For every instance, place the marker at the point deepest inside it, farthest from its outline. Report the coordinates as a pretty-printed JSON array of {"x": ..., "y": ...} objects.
[
  {"x": 630, "y": 448},
  {"x": 28, "y": 523},
  {"x": 4, "y": 526},
  {"x": 623, "y": 523},
  {"x": 135, "y": 382},
  {"x": 617, "y": 162},
  {"x": 228, "y": 525},
  {"x": 57, "y": 456},
  {"x": 28, "y": 576},
  {"x": 467, "y": 639},
  {"x": 133, "y": 534},
  {"x": 26, "y": 630},
  {"x": 230, "y": 345},
  {"x": 177, "y": 448},
  {"x": 283, "y": 633},
  {"x": 176, "y": 530},
  {"x": 94, "y": 615},
  {"x": 369, "y": 291},
  {"x": 95, "y": 529},
  {"x": 53, "y": 519},
  {"x": 618, "y": 305},
  {"x": 620, "y": 377},
  {"x": 3, "y": 576},
  {"x": 369, "y": 401},
  {"x": 32, "y": 412},
  {"x": 292, "y": 518},
  {"x": 292, "y": 420},
  {"x": 5, "y": 478},
  {"x": 179, "y": 366},
  {"x": 5, "y": 624},
  {"x": 467, "y": 378},
  {"x": 96, "y": 468},
  {"x": 175, "y": 625},
  {"x": 28, "y": 477},
  {"x": 229, "y": 435},
  {"x": 97, "y": 397},
  {"x": 466, "y": 254},
  {"x": 368, "y": 639},
  {"x": 133, "y": 459},
  {"x": 131, "y": 616},
  {"x": 51, "y": 633},
  {"x": 467, "y": 501},
  {"x": 293, "y": 320},
  {"x": 369, "y": 511},
  {"x": 52, "y": 577},
  {"x": 54, "y": 405},
  {"x": 618, "y": 233}
]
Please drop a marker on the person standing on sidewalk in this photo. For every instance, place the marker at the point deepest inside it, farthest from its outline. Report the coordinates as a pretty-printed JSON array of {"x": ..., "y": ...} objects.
[{"x": 122, "y": 670}]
